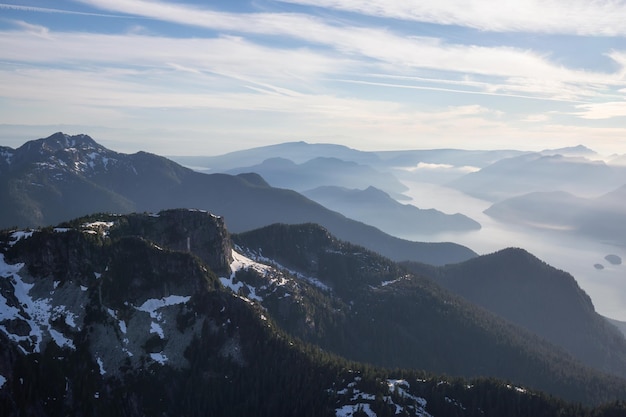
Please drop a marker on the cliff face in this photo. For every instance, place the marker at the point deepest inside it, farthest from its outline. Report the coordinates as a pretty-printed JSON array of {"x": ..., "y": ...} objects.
[
  {"x": 100, "y": 299},
  {"x": 195, "y": 231}
]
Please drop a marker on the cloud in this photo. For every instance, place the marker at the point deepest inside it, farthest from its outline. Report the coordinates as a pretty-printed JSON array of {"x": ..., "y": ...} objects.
[
  {"x": 606, "y": 110},
  {"x": 222, "y": 55},
  {"x": 286, "y": 75},
  {"x": 537, "y": 118},
  {"x": 425, "y": 166},
  {"x": 55, "y": 11},
  {"x": 522, "y": 72},
  {"x": 37, "y": 30},
  {"x": 577, "y": 17}
]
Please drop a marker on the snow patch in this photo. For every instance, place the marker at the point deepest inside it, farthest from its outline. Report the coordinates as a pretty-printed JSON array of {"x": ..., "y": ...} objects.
[
  {"x": 152, "y": 305},
  {"x": 37, "y": 313},
  {"x": 155, "y": 328},
  {"x": 100, "y": 365},
  {"x": 361, "y": 402},
  {"x": 351, "y": 410},
  {"x": 242, "y": 262},
  {"x": 121, "y": 323},
  {"x": 19, "y": 235},
  {"x": 385, "y": 283},
  {"x": 235, "y": 287},
  {"x": 311, "y": 280},
  {"x": 159, "y": 357},
  {"x": 61, "y": 340},
  {"x": 100, "y": 226}
]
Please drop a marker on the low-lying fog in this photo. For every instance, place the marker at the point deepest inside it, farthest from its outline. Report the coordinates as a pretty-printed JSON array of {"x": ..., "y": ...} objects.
[{"x": 577, "y": 255}]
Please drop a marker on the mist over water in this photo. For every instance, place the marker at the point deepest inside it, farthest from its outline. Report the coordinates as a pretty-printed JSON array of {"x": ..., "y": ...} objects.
[{"x": 574, "y": 254}]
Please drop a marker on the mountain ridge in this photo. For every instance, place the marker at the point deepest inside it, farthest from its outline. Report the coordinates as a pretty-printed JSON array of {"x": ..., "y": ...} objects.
[
  {"x": 131, "y": 345},
  {"x": 66, "y": 185},
  {"x": 174, "y": 340},
  {"x": 516, "y": 285},
  {"x": 375, "y": 207}
]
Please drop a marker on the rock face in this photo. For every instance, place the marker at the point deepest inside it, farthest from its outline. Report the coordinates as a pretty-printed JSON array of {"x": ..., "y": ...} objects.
[
  {"x": 109, "y": 278},
  {"x": 102, "y": 299},
  {"x": 195, "y": 231}
]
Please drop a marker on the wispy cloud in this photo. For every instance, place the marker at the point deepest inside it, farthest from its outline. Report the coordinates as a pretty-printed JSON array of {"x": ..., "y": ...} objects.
[
  {"x": 57, "y": 11},
  {"x": 598, "y": 111},
  {"x": 223, "y": 54},
  {"x": 304, "y": 75},
  {"x": 526, "y": 72},
  {"x": 578, "y": 17}
]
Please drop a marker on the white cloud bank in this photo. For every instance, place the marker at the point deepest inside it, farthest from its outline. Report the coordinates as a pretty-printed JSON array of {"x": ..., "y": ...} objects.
[{"x": 576, "y": 17}]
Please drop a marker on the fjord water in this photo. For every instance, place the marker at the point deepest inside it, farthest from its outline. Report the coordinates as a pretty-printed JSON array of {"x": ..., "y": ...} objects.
[{"x": 572, "y": 253}]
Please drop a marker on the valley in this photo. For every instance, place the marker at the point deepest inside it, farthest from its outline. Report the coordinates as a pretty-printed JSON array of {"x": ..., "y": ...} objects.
[
  {"x": 167, "y": 271},
  {"x": 570, "y": 252}
]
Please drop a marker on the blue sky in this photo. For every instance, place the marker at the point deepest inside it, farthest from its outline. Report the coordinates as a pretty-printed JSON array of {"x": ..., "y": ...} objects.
[{"x": 208, "y": 77}]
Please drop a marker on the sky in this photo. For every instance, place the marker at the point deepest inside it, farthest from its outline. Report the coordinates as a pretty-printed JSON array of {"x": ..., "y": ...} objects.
[{"x": 208, "y": 77}]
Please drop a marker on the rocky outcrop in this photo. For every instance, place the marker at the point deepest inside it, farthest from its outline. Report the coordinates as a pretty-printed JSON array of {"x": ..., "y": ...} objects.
[{"x": 195, "y": 231}]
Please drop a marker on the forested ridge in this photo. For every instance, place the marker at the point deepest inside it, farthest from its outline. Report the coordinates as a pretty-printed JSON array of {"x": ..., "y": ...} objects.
[{"x": 212, "y": 352}]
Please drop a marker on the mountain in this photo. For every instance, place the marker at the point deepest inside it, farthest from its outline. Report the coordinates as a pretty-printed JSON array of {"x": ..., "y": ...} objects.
[
  {"x": 60, "y": 177},
  {"x": 621, "y": 325},
  {"x": 602, "y": 218},
  {"x": 319, "y": 171},
  {"x": 536, "y": 172},
  {"x": 98, "y": 319},
  {"x": 517, "y": 286},
  {"x": 298, "y": 152},
  {"x": 579, "y": 150},
  {"x": 432, "y": 165},
  {"x": 375, "y": 207},
  {"x": 366, "y": 308},
  {"x": 555, "y": 210},
  {"x": 449, "y": 157}
]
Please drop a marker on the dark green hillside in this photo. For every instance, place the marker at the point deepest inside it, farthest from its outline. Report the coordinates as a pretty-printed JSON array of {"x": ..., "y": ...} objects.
[
  {"x": 516, "y": 285},
  {"x": 378, "y": 313},
  {"x": 122, "y": 326}
]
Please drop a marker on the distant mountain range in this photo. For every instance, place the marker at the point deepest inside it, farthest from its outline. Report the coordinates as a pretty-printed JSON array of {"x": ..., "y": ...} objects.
[
  {"x": 318, "y": 171},
  {"x": 124, "y": 314},
  {"x": 602, "y": 218},
  {"x": 300, "y": 152},
  {"x": 169, "y": 312},
  {"x": 375, "y": 207},
  {"x": 536, "y": 172},
  {"x": 49, "y": 180}
]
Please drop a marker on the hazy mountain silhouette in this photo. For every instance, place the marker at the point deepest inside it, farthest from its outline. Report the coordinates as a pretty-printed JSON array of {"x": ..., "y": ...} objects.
[
  {"x": 535, "y": 172},
  {"x": 602, "y": 218},
  {"x": 50, "y": 180},
  {"x": 375, "y": 207},
  {"x": 298, "y": 152},
  {"x": 322, "y": 171}
]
